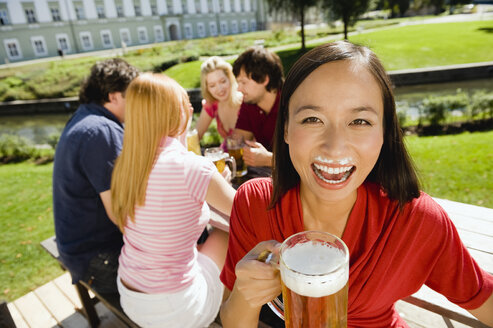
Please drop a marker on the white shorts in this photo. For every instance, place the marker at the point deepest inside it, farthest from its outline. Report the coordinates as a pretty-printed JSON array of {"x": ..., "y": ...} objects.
[{"x": 195, "y": 307}]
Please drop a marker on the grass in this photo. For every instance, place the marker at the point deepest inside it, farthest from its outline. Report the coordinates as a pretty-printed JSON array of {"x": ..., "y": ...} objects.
[
  {"x": 456, "y": 167},
  {"x": 26, "y": 218},
  {"x": 403, "y": 47}
]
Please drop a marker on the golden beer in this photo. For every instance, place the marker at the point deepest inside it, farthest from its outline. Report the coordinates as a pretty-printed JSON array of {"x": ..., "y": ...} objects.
[
  {"x": 220, "y": 164},
  {"x": 219, "y": 158},
  {"x": 314, "y": 278},
  {"x": 237, "y": 154},
  {"x": 193, "y": 142},
  {"x": 326, "y": 311}
]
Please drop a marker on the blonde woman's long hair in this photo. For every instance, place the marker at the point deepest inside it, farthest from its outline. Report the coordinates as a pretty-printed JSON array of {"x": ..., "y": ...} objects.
[
  {"x": 156, "y": 106},
  {"x": 212, "y": 64}
]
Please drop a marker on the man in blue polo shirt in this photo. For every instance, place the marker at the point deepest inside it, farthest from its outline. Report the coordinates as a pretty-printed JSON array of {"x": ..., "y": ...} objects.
[{"x": 88, "y": 241}]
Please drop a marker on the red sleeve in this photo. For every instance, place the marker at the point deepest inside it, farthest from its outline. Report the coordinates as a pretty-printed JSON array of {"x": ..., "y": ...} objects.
[
  {"x": 249, "y": 209},
  {"x": 210, "y": 109},
  {"x": 455, "y": 274},
  {"x": 243, "y": 121}
]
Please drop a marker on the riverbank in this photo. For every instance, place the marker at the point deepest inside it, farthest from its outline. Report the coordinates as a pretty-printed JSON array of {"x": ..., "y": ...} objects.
[{"x": 408, "y": 77}]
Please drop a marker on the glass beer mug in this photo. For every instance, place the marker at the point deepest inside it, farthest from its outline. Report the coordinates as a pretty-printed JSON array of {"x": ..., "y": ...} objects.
[
  {"x": 235, "y": 143},
  {"x": 220, "y": 158},
  {"x": 314, "y": 270},
  {"x": 193, "y": 143}
]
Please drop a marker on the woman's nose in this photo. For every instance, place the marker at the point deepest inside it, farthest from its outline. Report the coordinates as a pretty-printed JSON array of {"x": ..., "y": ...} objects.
[{"x": 334, "y": 141}]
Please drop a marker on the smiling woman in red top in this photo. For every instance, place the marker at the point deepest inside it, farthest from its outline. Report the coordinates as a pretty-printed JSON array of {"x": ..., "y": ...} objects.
[{"x": 340, "y": 166}]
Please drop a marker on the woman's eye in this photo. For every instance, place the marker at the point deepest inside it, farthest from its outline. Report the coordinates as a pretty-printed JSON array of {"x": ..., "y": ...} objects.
[
  {"x": 310, "y": 120},
  {"x": 360, "y": 121}
]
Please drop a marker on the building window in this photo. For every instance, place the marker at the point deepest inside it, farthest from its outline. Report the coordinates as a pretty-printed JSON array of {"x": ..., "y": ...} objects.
[
  {"x": 31, "y": 17},
  {"x": 221, "y": 5},
  {"x": 244, "y": 26},
  {"x": 198, "y": 7},
  {"x": 55, "y": 14},
  {"x": 142, "y": 32},
  {"x": 234, "y": 27},
  {"x": 106, "y": 39},
  {"x": 184, "y": 8},
  {"x": 154, "y": 10},
  {"x": 79, "y": 12},
  {"x": 86, "y": 40},
  {"x": 188, "y": 31},
  {"x": 200, "y": 30},
  {"x": 158, "y": 33},
  {"x": 138, "y": 12},
  {"x": 100, "y": 11},
  {"x": 4, "y": 17},
  {"x": 169, "y": 4},
  {"x": 224, "y": 28},
  {"x": 63, "y": 43},
  {"x": 39, "y": 46},
  {"x": 213, "y": 28},
  {"x": 253, "y": 25},
  {"x": 119, "y": 10},
  {"x": 13, "y": 49},
  {"x": 125, "y": 36}
]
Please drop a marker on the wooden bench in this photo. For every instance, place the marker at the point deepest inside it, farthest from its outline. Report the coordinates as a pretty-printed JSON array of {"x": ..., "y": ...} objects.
[{"x": 111, "y": 301}]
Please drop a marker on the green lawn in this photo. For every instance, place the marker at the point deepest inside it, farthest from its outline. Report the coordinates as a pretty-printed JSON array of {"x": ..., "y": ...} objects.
[
  {"x": 402, "y": 47},
  {"x": 453, "y": 167},
  {"x": 26, "y": 218}
]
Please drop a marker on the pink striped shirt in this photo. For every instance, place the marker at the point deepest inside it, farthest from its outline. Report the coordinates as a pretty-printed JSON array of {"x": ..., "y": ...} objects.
[{"x": 160, "y": 254}]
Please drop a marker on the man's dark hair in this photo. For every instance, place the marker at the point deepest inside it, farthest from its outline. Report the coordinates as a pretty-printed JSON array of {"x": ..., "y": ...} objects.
[
  {"x": 394, "y": 170},
  {"x": 107, "y": 76},
  {"x": 258, "y": 62}
]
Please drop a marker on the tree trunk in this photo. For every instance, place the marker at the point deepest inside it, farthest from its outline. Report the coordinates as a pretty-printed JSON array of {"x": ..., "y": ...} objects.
[
  {"x": 346, "y": 23},
  {"x": 302, "y": 20}
]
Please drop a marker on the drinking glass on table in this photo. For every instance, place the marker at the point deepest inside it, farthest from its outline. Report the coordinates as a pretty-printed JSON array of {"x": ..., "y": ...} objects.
[
  {"x": 220, "y": 159},
  {"x": 235, "y": 143},
  {"x": 314, "y": 270},
  {"x": 193, "y": 141}
]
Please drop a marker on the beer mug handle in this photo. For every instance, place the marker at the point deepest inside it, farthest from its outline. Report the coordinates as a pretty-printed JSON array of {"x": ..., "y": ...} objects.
[
  {"x": 233, "y": 164},
  {"x": 276, "y": 304}
]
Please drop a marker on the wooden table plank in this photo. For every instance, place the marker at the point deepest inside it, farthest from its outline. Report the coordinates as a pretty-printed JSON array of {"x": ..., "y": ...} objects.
[
  {"x": 34, "y": 312},
  {"x": 55, "y": 301},
  {"x": 468, "y": 210},
  {"x": 64, "y": 283},
  {"x": 475, "y": 225},
  {"x": 477, "y": 241},
  {"x": 17, "y": 316},
  {"x": 417, "y": 317}
]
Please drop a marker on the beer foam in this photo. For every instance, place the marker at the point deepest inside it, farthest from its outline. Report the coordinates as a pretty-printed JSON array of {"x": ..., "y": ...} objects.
[{"x": 314, "y": 270}]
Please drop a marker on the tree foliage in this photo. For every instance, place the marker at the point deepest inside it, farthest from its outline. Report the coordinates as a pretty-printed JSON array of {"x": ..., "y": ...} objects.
[
  {"x": 297, "y": 8},
  {"x": 347, "y": 10}
]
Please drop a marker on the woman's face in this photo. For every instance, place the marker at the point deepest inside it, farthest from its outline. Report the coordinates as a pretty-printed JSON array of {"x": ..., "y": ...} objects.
[
  {"x": 218, "y": 85},
  {"x": 335, "y": 129}
]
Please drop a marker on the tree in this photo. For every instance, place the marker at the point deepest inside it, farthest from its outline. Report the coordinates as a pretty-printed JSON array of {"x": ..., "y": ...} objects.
[
  {"x": 403, "y": 6},
  {"x": 347, "y": 10},
  {"x": 297, "y": 8}
]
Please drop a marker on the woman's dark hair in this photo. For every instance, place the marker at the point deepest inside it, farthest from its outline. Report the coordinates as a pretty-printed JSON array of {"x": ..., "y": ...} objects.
[
  {"x": 258, "y": 63},
  {"x": 107, "y": 76},
  {"x": 393, "y": 170}
]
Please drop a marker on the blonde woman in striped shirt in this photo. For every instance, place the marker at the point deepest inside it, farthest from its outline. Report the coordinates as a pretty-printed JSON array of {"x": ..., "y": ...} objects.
[{"x": 159, "y": 198}]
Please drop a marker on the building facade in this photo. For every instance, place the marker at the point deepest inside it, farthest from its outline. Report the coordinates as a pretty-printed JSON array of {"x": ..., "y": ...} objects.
[{"x": 31, "y": 29}]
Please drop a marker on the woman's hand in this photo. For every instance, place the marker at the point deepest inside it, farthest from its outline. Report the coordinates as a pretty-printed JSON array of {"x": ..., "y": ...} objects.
[{"x": 257, "y": 282}]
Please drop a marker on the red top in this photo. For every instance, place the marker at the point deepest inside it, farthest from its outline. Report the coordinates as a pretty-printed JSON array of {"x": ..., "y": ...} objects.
[
  {"x": 252, "y": 118},
  {"x": 392, "y": 253},
  {"x": 212, "y": 111}
]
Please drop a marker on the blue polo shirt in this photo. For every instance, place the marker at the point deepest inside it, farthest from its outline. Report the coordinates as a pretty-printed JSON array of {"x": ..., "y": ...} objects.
[{"x": 84, "y": 159}]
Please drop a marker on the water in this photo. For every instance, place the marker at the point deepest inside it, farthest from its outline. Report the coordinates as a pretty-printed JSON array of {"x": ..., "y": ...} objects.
[{"x": 37, "y": 128}]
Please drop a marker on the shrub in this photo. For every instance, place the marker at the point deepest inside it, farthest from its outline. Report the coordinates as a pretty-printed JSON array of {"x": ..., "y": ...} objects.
[
  {"x": 435, "y": 109},
  {"x": 481, "y": 105},
  {"x": 15, "y": 149}
]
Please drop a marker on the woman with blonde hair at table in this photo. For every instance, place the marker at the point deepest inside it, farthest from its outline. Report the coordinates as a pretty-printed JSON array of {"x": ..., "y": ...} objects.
[
  {"x": 159, "y": 193},
  {"x": 222, "y": 99}
]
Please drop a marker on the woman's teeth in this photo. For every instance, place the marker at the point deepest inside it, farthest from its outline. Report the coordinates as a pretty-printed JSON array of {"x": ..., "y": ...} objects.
[{"x": 333, "y": 175}]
